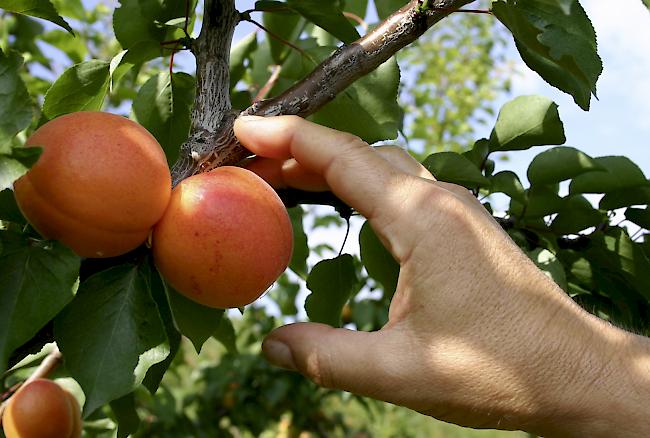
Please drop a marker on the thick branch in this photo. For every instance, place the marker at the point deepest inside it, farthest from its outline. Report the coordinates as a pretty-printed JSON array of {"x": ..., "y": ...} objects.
[
  {"x": 334, "y": 75},
  {"x": 212, "y": 113}
]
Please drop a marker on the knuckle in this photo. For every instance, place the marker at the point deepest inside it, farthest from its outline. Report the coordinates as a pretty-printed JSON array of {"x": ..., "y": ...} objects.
[
  {"x": 353, "y": 153},
  {"x": 352, "y": 143}
]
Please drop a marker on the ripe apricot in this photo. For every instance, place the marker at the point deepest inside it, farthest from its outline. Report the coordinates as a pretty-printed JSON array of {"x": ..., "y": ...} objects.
[
  {"x": 224, "y": 238},
  {"x": 42, "y": 409},
  {"x": 100, "y": 185}
]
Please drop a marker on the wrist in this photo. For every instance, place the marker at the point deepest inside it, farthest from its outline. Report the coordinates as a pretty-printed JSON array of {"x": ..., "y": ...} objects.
[{"x": 606, "y": 389}]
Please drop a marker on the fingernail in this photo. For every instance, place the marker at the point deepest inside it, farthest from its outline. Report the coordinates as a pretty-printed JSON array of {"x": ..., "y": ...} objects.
[
  {"x": 248, "y": 119},
  {"x": 279, "y": 355}
]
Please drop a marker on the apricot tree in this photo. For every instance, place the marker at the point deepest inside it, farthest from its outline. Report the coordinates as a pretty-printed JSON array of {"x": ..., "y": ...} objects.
[{"x": 116, "y": 324}]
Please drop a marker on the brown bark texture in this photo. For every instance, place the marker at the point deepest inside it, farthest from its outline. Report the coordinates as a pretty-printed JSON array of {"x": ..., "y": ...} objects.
[{"x": 212, "y": 142}]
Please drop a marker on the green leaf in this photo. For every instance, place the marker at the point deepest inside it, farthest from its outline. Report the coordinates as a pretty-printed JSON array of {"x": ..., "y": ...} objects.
[
  {"x": 550, "y": 265},
  {"x": 31, "y": 272},
  {"x": 559, "y": 164},
  {"x": 543, "y": 201},
  {"x": 640, "y": 216},
  {"x": 479, "y": 153},
  {"x": 387, "y": 7},
  {"x": 564, "y": 5},
  {"x": 455, "y": 168},
  {"x": 239, "y": 54},
  {"x": 164, "y": 106},
  {"x": 331, "y": 283},
  {"x": 327, "y": 15},
  {"x": 356, "y": 7},
  {"x": 616, "y": 253},
  {"x": 70, "y": 8},
  {"x": 379, "y": 263},
  {"x": 560, "y": 47},
  {"x": 113, "y": 324},
  {"x": 508, "y": 182},
  {"x": 619, "y": 173},
  {"x": 9, "y": 210},
  {"x": 298, "y": 263},
  {"x": 82, "y": 87},
  {"x": 126, "y": 415},
  {"x": 576, "y": 215},
  {"x": 367, "y": 108},
  {"x": 527, "y": 121},
  {"x": 195, "y": 321},
  {"x": 277, "y": 7},
  {"x": 137, "y": 26},
  {"x": 36, "y": 8},
  {"x": 646, "y": 3},
  {"x": 287, "y": 27},
  {"x": 16, "y": 111},
  {"x": 639, "y": 195},
  {"x": 16, "y": 164},
  {"x": 225, "y": 334},
  {"x": 159, "y": 294}
]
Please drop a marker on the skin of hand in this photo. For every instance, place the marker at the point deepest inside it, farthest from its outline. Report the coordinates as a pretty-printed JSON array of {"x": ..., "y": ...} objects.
[{"x": 477, "y": 334}]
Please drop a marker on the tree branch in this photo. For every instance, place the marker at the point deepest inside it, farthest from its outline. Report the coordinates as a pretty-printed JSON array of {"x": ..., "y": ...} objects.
[
  {"x": 321, "y": 86},
  {"x": 212, "y": 112}
]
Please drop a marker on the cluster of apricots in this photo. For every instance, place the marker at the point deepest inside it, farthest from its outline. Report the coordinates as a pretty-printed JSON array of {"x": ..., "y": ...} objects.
[
  {"x": 102, "y": 186},
  {"x": 42, "y": 409}
]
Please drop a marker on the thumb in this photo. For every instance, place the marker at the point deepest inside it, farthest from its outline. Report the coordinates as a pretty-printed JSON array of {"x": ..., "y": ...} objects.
[{"x": 334, "y": 358}]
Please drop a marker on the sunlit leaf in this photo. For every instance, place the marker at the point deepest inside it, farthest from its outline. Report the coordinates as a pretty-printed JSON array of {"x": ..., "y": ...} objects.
[
  {"x": 559, "y": 164},
  {"x": 36, "y": 8},
  {"x": 455, "y": 168},
  {"x": 525, "y": 122}
]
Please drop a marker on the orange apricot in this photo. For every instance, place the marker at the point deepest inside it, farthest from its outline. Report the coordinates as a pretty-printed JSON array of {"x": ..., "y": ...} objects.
[
  {"x": 99, "y": 186},
  {"x": 42, "y": 409},
  {"x": 224, "y": 238},
  {"x": 77, "y": 423}
]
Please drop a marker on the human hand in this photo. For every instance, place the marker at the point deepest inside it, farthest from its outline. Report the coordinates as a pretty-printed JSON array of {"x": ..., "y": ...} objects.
[{"x": 477, "y": 335}]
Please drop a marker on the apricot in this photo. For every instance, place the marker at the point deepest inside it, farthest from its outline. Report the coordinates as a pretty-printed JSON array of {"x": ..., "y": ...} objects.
[
  {"x": 99, "y": 186},
  {"x": 42, "y": 409},
  {"x": 224, "y": 238}
]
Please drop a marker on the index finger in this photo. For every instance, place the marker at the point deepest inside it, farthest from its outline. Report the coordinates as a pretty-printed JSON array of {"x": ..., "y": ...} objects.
[{"x": 353, "y": 170}]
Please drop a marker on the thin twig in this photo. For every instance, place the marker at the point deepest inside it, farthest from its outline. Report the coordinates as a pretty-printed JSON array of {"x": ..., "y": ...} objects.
[
  {"x": 345, "y": 239},
  {"x": 175, "y": 49},
  {"x": 358, "y": 19},
  {"x": 475, "y": 11},
  {"x": 266, "y": 89},
  {"x": 47, "y": 366},
  {"x": 279, "y": 38}
]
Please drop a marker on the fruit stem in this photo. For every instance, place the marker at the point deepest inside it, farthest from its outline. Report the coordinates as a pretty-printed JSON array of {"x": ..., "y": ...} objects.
[{"x": 47, "y": 366}]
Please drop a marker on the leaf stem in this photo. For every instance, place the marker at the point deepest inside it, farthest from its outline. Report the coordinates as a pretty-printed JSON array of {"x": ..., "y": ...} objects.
[{"x": 279, "y": 38}]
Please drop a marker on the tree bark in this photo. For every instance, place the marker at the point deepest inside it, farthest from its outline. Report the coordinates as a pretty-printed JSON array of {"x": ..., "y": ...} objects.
[
  {"x": 212, "y": 112},
  {"x": 349, "y": 63}
]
